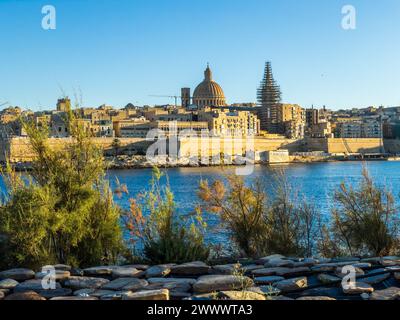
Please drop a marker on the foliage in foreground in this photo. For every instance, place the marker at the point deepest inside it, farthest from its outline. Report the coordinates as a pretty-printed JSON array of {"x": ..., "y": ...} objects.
[
  {"x": 165, "y": 236},
  {"x": 260, "y": 225},
  {"x": 62, "y": 211},
  {"x": 364, "y": 222}
]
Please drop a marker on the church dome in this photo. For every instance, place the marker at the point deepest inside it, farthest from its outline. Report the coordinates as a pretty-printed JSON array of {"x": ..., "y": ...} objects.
[{"x": 208, "y": 92}]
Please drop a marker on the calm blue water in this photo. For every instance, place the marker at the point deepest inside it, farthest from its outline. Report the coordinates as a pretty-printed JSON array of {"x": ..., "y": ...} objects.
[{"x": 316, "y": 181}]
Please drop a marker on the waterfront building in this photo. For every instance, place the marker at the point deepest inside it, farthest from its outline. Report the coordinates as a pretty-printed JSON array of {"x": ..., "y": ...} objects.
[
  {"x": 119, "y": 124},
  {"x": 140, "y": 130},
  {"x": 64, "y": 105},
  {"x": 359, "y": 129},
  {"x": 290, "y": 120},
  {"x": 230, "y": 123}
]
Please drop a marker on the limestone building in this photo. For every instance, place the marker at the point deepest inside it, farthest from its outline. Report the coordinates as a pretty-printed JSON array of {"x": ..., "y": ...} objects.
[{"x": 207, "y": 93}]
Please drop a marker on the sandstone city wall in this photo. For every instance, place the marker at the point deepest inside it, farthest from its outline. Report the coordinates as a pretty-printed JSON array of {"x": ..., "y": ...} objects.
[{"x": 17, "y": 149}]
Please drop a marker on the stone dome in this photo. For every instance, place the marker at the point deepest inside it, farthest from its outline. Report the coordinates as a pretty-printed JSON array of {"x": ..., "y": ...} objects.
[{"x": 208, "y": 92}]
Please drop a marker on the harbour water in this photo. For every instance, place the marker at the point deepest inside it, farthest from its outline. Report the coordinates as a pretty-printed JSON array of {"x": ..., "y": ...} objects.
[{"x": 315, "y": 181}]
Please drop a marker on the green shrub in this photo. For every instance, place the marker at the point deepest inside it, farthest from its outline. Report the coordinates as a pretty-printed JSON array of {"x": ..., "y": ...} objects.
[
  {"x": 63, "y": 212},
  {"x": 364, "y": 221},
  {"x": 165, "y": 236}
]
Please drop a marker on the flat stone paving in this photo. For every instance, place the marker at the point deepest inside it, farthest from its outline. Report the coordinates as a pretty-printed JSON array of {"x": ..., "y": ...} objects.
[{"x": 270, "y": 278}]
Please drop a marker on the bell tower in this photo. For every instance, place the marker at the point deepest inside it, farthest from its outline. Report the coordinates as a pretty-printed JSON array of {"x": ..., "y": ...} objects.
[{"x": 185, "y": 96}]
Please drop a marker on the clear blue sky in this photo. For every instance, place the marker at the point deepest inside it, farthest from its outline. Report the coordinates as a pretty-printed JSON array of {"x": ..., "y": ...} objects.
[{"x": 120, "y": 51}]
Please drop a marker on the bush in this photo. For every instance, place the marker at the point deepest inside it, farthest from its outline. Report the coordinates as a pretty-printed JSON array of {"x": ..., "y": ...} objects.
[
  {"x": 164, "y": 235},
  {"x": 261, "y": 224},
  {"x": 364, "y": 221},
  {"x": 292, "y": 223},
  {"x": 241, "y": 209},
  {"x": 63, "y": 212}
]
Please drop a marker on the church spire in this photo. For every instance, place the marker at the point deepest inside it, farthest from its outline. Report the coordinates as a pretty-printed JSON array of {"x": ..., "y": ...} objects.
[{"x": 208, "y": 73}]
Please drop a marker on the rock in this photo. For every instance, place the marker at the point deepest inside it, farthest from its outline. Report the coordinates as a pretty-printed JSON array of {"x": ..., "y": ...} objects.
[
  {"x": 28, "y": 295},
  {"x": 178, "y": 295},
  {"x": 8, "y": 284},
  {"x": 268, "y": 258},
  {"x": 281, "y": 298},
  {"x": 316, "y": 298},
  {"x": 365, "y": 296},
  {"x": 340, "y": 272},
  {"x": 346, "y": 259},
  {"x": 323, "y": 291},
  {"x": 397, "y": 275},
  {"x": 331, "y": 266},
  {"x": 59, "y": 275},
  {"x": 268, "y": 280},
  {"x": 304, "y": 263},
  {"x": 162, "y": 294},
  {"x": 240, "y": 295},
  {"x": 269, "y": 271},
  {"x": 358, "y": 288},
  {"x": 173, "y": 287},
  {"x": 32, "y": 285},
  {"x": 392, "y": 269},
  {"x": 189, "y": 281},
  {"x": 98, "y": 271},
  {"x": 274, "y": 263},
  {"x": 393, "y": 258},
  {"x": 84, "y": 292},
  {"x": 125, "y": 284},
  {"x": 390, "y": 263},
  {"x": 2, "y": 295},
  {"x": 291, "y": 284},
  {"x": 375, "y": 271},
  {"x": 376, "y": 279},
  {"x": 391, "y": 293},
  {"x": 62, "y": 267},
  {"x": 5, "y": 291},
  {"x": 375, "y": 260},
  {"x": 76, "y": 272},
  {"x": 60, "y": 292},
  {"x": 292, "y": 272},
  {"x": 226, "y": 269},
  {"x": 251, "y": 267},
  {"x": 158, "y": 271},
  {"x": 327, "y": 278},
  {"x": 362, "y": 265},
  {"x": 19, "y": 274},
  {"x": 99, "y": 293},
  {"x": 267, "y": 290},
  {"x": 195, "y": 268},
  {"x": 126, "y": 272},
  {"x": 115, "y": 295},
  {"x": 76, "y": 283},
  {"x": 309, "y": 262},
  {"x": 141, "y": 267},
  {"x": 73, "y": 298},
  {"x": 221, "y": 283},
  {"x": 204, "y": 296}
]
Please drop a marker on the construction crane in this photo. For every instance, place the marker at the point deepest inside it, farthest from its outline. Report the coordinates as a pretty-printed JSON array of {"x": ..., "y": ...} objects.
[
  {"x": 178, "y": 97},
  {"x": 165, "y": 96}
]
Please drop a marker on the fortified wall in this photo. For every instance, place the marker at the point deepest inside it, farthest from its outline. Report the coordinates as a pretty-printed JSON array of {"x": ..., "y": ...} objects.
[
  {"x": 17, "y": 149},
  {"x": 346, "y": 145}
]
